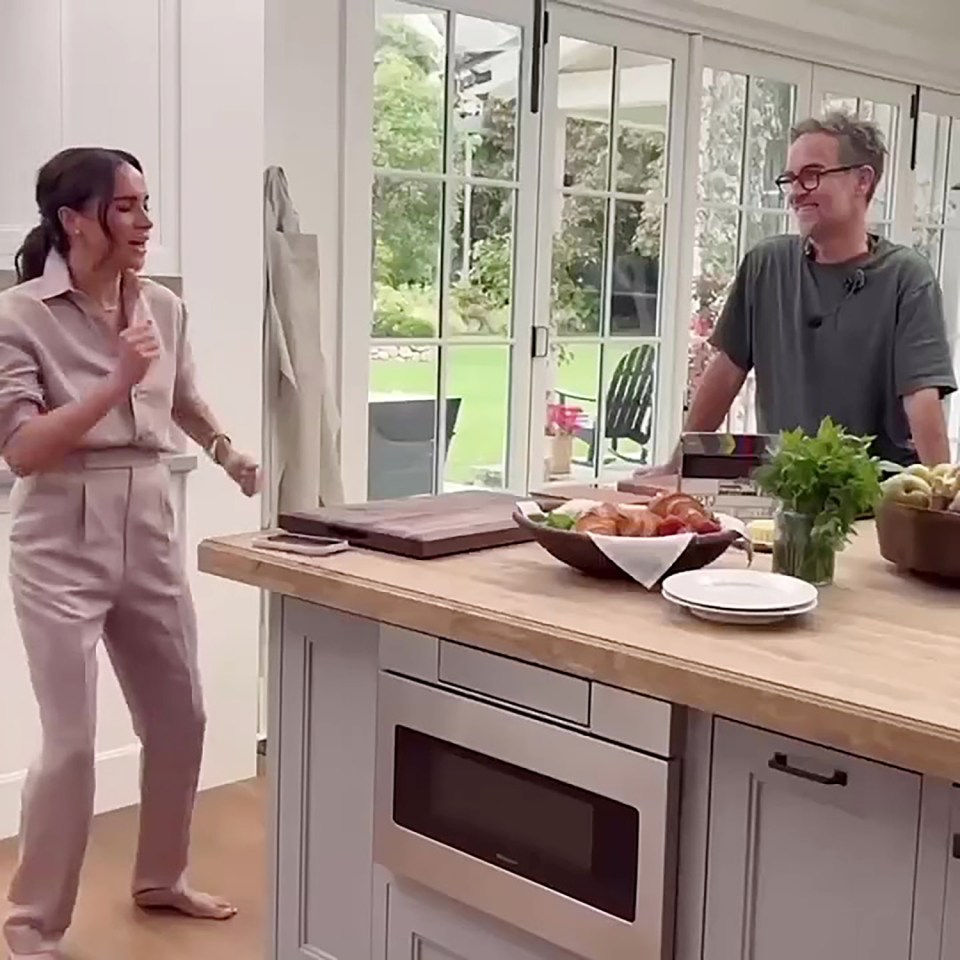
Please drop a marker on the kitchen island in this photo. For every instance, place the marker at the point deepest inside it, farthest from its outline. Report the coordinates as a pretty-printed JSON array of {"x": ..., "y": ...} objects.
[{"x": 793, "y": 784}]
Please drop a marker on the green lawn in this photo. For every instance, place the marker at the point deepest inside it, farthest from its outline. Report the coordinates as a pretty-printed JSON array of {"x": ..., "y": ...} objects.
[{"x": 479, "y": 375}]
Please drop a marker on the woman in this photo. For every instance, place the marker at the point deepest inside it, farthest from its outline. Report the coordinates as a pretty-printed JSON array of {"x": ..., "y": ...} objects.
[{"x": 95, "y": 370}]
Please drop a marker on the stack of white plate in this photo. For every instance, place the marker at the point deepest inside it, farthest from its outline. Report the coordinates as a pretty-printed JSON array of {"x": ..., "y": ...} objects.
[{"x": 740, "y": 596}]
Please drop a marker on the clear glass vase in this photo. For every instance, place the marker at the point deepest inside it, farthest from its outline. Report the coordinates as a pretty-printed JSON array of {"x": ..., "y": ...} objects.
[{"x": 798, "y": 553}]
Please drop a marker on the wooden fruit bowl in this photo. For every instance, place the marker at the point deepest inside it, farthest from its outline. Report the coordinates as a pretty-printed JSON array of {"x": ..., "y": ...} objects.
[
  {"x": 577, "y": 550},
  {"x": 921, "y": 541}
]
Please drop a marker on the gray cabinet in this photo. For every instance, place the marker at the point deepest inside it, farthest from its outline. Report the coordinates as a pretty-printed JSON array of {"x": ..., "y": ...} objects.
[
  {"x": 812, "y": 853},
  {"x": 424, "y": 926},
  {"x": 323, "y": 704},
  {"x": 950, "y": 949}
]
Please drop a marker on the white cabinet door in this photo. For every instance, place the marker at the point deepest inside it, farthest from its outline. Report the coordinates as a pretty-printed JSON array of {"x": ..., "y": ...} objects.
[
  {"x": 424, "y": 926},
  {"x": 951, "y": 922},
  {"x": 812, "y": 853}
]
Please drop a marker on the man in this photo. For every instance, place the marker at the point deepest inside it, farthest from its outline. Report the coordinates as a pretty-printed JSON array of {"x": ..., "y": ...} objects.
[{"x": 836, "y": 321}]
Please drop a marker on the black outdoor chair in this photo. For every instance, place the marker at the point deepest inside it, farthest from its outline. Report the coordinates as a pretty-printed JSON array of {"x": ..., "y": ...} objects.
[{"x": 628, "y": 414}]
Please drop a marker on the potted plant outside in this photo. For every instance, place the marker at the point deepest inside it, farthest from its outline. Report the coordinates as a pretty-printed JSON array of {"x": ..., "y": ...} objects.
[
  {"x": 562, "y": 423},
  {"x": 823, "y": 483}
]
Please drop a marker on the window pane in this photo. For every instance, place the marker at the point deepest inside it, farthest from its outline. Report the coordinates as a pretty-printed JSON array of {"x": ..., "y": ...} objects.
[
  {"x": 759, "y": 226},
  {"x": 714, "y": 269},
  {"x": 885, "y": 116},
  {"x": 478, "y": 401},
  {"x": 406, "y": 264},
  {"x": 482, "y": 268},
  {"x": 643, "y": 121},
  {"x": 834, "y": 101},
  {"x": 771, "y": 113},
  {"x": 572, "y": 411},
  {"x": 584, "y": 97},
  {"x": 721, "y": 136},
  {"x": 636, "y": 268},
  {"x": 926, "y": 241},
  {"x": 402, "y": 421},
  {"x": 409, "y": 87},
  {"x": 578, "y": 264},
  {"x": 630, "y": 387},
  {"x": 487, "y": 84},
  {"x": 952, "y": 214},
  {"x": 933, "y": 148}
]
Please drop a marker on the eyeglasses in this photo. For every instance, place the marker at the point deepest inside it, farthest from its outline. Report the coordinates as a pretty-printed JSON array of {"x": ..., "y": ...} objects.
[{"x": 809, "y": 177}]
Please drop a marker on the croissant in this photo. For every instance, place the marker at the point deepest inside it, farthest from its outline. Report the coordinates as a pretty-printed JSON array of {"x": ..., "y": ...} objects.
[
  {"x": 601, "y": 519},
  {"x": 637, "y": 521},
  {"x": 676, "y": 504}
]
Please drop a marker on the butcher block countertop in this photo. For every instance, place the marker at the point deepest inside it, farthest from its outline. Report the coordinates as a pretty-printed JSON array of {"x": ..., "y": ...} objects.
[{"x": 875, "y": 671}]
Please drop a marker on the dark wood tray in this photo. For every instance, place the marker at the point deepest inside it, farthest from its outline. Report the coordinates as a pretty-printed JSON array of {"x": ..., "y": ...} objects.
[
  {"x": 921, "y": 541},
  {"x": 421, "y": 527},
  {"x": 577, "y": 550}
]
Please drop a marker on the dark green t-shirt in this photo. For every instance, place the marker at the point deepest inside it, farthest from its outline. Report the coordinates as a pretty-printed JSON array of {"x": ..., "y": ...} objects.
[{"x": 848, "y": 341}]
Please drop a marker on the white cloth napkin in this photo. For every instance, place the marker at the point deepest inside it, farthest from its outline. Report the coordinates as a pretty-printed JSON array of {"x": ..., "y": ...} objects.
[{"x": 647, "y": 559}]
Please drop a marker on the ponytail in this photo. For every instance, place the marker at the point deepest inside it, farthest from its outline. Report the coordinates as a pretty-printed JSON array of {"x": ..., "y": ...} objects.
[
  {"x": 32, "y": 256},
  {"x": 74, "y": 178}
]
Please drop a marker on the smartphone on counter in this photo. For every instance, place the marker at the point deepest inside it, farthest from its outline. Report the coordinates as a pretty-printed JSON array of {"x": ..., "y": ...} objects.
[{"x": 301, "y": 543}]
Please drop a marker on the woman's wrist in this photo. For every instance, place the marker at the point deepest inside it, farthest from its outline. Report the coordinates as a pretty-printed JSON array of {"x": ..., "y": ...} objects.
[
  {"x": 116, "y": 387},
  {"x": 218, "y": 449}
]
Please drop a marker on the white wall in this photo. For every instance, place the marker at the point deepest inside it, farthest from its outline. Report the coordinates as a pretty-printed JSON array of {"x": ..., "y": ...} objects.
[{"x": 156, "y": 77}]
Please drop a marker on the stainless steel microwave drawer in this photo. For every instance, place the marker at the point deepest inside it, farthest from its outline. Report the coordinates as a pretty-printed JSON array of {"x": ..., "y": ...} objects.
[{"x": 513, "y": 681}]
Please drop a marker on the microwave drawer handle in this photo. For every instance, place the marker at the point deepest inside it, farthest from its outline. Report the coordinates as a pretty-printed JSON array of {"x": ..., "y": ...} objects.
[{"x": 781, "y": 764}]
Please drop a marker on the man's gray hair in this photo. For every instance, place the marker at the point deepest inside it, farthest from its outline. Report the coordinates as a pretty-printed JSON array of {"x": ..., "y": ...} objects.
[{"x": 861, "y": 141}]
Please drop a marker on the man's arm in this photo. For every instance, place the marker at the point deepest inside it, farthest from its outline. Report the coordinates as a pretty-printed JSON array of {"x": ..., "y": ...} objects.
[
  {"x": 928, "y": 425},
  {"x": 923, "y": 367}
]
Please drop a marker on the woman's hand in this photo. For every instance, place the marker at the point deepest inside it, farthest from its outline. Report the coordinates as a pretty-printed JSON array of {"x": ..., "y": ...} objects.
[
  {"x": 139, "y": 347},
  {"x": 244, "y": 471}
]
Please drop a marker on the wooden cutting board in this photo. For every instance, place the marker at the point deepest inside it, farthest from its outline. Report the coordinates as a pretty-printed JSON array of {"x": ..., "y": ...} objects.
[
  {"x": 419, "y": 527},
  {"x": 591, "y": 491}
]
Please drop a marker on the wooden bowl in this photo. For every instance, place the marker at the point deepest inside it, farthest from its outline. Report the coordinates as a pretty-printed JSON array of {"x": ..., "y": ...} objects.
[
  {"x": 577, "y": 550},
  {"x": 921, "y": 541}
]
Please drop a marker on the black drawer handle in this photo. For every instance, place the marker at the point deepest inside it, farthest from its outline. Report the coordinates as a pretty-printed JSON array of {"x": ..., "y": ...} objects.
[
  {"x": 956, "y": 846},
  {"x": 781, "y": 764}
]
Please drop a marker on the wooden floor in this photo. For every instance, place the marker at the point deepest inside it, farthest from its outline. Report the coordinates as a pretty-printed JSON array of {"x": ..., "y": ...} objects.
[{"x": 229, "y": 844}]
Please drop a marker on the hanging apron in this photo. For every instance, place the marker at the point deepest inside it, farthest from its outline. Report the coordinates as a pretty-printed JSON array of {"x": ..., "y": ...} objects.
[{"x": 301, "y": 417}]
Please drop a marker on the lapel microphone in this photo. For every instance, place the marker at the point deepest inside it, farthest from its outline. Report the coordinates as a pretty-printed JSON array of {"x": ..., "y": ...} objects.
[{"x": 852, "y": 285}]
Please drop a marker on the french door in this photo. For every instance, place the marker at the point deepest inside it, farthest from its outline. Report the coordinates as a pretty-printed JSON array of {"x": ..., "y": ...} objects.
[
  {"x": 454, "y": 221},
  {"x": 936, "y": 210},
  {"x": 560, "y": 202},
  {"x": 615, "y": 98}
]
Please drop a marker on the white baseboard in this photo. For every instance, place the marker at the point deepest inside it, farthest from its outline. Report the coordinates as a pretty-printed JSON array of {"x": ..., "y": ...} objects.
[{"x": 118, "y": 785}]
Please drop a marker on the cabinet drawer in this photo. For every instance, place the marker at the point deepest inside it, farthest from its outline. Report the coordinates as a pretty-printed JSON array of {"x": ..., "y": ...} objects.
[
  {"x": 805, "y": 843},
  {"x": 512, "y": 681},
  {"x": 637, "y": 720},
  {"x": 408, "y": 653}
]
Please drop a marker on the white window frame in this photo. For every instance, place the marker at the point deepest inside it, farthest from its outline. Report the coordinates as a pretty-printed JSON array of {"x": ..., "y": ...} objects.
[{"x": 630, "y": 35}]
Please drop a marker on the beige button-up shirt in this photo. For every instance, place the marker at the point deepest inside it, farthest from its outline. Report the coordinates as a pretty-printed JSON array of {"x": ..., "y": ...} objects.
[{"x": 55, "y": 347}]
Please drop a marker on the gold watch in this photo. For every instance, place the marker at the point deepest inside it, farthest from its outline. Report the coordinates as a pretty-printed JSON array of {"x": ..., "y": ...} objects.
[{"x": 214, "y": 446}]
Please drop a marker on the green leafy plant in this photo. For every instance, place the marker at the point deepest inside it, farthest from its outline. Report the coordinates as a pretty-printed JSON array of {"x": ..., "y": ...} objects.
[{"x": 830, "y": 478}]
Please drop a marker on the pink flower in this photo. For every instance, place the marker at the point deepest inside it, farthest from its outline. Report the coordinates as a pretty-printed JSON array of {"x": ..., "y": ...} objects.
[{"x": 563, "y": 419}]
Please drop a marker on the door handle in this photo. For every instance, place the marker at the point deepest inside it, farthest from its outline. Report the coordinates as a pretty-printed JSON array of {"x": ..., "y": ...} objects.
[
  {"x": 540, "y": 346},
  {"x": 956, "y": 846},
  {"x": 781, "y": 764}
]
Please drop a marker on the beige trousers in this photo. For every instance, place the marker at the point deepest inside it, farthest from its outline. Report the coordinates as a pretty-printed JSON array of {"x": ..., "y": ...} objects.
[{"x": 93, "y": 553}]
